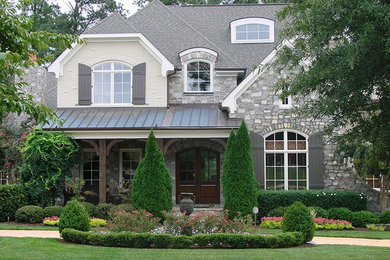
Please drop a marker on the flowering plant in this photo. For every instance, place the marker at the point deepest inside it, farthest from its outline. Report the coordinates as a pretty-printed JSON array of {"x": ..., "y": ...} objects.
[
  {"x": 271, "y": 222},
  {"x": 51, "y": 221},
  {"x": 177, "y": 223},
  {"x": 136, "y": 221}
]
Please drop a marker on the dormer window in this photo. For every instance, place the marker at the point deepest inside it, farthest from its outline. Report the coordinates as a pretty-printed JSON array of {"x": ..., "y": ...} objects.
[
  {"x": 112, "y": 83},
  {"x": 252, "y": 30},
  {"x": 198, "y": 76}
]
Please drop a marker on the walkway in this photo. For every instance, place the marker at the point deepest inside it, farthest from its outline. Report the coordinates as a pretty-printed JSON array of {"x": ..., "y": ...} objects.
[{"x": 316, "y": 240}]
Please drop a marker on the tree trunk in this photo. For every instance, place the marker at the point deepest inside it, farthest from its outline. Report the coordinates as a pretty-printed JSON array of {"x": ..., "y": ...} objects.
[{"x": 384, "y": 191}]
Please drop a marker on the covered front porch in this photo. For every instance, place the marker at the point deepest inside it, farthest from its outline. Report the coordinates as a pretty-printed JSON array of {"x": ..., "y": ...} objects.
[{"x": 193, "y": 146}]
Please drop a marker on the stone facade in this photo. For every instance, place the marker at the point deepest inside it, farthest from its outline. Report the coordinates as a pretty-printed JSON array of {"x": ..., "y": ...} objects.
[{"x": 260, "y": 106}]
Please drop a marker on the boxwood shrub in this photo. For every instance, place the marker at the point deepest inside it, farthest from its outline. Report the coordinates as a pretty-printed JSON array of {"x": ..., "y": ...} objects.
[
  {"x": 340, "y": 214},
  {"x": 362, "y": 218},
  {"x": 29, "y": 214},
  {"x": 12, "y": 197},
  {"x": 385, "y": 217},
  {"x": 319, "y": 212},
  {"x": 89, "y": 207},
  {"x": 103, "y": 210},
  {"x": 74, "y": 216},
  {"x": 145, "y": 240},
  {"x": 298, "y": 218},
  {"x": 52, "y": 211},
  {"x": 325, "y": 199},
  {"x": 277, "y": 212}
]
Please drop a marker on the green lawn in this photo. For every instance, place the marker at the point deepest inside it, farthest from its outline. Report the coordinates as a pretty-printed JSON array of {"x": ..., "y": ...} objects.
[
  {"x": 4, "y": 226},
  {"x": 44, "y": 248}
]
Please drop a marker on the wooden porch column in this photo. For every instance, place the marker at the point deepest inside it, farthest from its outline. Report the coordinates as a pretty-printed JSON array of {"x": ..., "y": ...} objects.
[
  {"x": 102, "y": 170},
  {"x": 160, "y": 143}
]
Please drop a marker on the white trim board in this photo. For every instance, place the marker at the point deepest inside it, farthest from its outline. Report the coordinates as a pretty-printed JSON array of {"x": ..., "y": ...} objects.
[
  {"x": 142, "y": 134},
  {"x": 231, "y": 100},
  {"x": 57, "y": 65}
]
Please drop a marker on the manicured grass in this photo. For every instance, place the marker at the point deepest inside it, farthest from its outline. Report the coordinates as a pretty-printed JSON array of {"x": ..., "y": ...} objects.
[
  {"x": 4, "y": 226},
  {"x": 44, "y": 248}
]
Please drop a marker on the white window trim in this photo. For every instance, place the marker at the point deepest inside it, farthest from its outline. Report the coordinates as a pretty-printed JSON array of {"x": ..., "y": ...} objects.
[
  {"x": 121, "y": 161},
  {"x": 211, "y": 77},
  {"x": 112, "y": 71},
  {"x": 285, "y": 106},
  {"x": 85, "y": 150},
  {"x": 285, "y": 152},
  {"x": 270, "y": 23}
]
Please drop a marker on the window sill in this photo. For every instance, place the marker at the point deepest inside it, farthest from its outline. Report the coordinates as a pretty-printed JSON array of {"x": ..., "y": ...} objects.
[{"x": 189, "y": 93}]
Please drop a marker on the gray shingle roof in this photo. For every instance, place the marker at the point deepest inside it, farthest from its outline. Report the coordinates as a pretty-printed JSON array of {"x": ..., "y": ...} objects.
[
  {"x": 174, "y": 117},
  {"x": 172, "y": 29}
]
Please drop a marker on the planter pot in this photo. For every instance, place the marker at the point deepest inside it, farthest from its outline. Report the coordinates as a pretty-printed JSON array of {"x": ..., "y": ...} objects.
[{"x": 187, "y": 202}]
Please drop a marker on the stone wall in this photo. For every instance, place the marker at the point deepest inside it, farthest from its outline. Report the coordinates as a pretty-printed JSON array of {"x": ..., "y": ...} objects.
[{"x": 260, "y": 106}]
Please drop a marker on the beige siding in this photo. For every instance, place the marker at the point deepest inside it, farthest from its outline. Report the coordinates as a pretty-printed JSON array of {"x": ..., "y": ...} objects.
[{"x": 131, "y": 53}]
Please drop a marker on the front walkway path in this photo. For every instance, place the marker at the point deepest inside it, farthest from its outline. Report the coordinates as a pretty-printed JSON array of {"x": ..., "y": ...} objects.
[{"x": 316, "y": 240}]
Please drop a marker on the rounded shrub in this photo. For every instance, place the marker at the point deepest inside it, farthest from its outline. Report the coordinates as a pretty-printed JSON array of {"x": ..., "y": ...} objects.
[
  {"x": 298, "y": 218},
  {"x": 74, "y": 216},
  {"x": 362, "y": 218},
  {"x": 277, "y": 212},
  {"x": 90, "y": 208},
  {"x": 385, "y": 217},
  {"x": 319, "y": 212},
  {"x": 340, "y": 214},
  {"x": 53, "y": 211},
  {"x": 103, "y": 210},
  {"x": 29, "y": 214}
]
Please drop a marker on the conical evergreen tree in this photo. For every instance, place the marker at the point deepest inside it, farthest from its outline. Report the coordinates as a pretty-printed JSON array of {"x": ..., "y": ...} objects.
[
  {"x": 240, "y": 187},
  {"x": 152, "y": 184}
]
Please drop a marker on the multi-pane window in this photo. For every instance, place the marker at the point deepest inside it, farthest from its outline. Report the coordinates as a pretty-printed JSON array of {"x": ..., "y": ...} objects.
[
  {"x": 286, "y": 161},
  {"x": 208, "y": 166},
  {"x": 198, "y": 76},
  {"x": 252, "y": 32},
  {"x": 90, "y": 168},
  {"x": 112, "y": 83},
  {"x": 3, "y": 179},
  {"x": 187, "y": 165},
  {"x": 129, "y": 161}
]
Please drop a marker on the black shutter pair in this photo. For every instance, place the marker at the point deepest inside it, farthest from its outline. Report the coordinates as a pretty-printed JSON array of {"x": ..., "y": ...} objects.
[
  {"x": 85, "y": 84},
  {"x": 316, "y": 160}
]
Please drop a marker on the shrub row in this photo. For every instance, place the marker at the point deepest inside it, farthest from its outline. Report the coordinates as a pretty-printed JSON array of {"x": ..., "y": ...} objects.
[
  {"x": 29, "y": 214},
  {"x": 268, "y": 200},
  {"x": 12, "y": 197},
  {"x": 145, "y": 240}
]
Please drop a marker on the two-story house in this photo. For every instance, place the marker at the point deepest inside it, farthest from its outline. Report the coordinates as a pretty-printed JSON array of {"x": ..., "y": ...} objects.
[{"x": 191, "y": 73}]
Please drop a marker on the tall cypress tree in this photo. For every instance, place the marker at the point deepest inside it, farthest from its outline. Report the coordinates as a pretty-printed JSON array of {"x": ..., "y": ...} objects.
[
  {"x": 240, "y": 187},
  {"x": 152, "y": 184}
]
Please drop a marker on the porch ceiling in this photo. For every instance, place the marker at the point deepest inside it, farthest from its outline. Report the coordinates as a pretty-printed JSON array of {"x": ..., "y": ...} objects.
[{"x": 175, "y": 117}]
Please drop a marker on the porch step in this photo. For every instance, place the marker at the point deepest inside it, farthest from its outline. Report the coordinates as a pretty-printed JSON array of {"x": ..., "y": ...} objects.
[{"x": 199, "y": 208}]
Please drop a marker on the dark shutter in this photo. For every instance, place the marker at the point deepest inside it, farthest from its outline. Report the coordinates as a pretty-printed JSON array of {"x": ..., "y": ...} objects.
[
  {"x": 316, "y": 162},
  {"x": 258, "y": 157},
  {"x": 85, "y": 85},
  {"x": 139, "y": 84}
]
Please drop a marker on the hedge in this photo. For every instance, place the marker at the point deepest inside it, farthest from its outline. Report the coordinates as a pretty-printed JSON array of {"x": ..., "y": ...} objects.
[
  {"x": 12, "y": 197},
  {"x": 217, "y": 240},
  {"x": 326, "y": 199}
]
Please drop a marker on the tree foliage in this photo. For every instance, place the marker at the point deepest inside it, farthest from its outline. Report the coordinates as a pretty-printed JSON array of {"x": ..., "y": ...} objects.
[
  {"x": 48, "y": 157},
  {"x": 240, "y": 188},
  {"x": 17, "y": 45},
  {"x": 344, "y": 46},
  {"x": 152, "y": 184}
]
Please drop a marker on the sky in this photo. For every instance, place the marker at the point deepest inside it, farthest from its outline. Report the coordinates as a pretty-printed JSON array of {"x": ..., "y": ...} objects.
[{"x": 127, "y": 4}]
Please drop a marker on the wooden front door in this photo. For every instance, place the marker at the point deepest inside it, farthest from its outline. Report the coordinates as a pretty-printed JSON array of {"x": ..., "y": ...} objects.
[{"x": 197, "y": 171}]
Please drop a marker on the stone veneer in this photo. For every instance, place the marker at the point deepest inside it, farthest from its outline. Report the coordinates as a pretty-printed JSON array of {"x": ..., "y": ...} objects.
[
  {"x": 222, "y": 83},
  {"x": 259, "y": 106}
]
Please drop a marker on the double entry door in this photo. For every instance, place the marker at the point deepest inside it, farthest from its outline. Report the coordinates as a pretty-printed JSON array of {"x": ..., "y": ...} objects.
[{"x": 198, "y": 172}]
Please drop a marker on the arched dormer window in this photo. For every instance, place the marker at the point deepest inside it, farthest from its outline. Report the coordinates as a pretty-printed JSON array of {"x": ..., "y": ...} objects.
[
  {"x": 286, "y": 161},
  {"x": 112, "y": 83},
  {"x": 252, "y": 30}
]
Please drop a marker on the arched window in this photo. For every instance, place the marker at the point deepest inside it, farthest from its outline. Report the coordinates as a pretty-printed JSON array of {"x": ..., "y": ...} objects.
[
  {"x": 198, "y": 76},
  {"x": 112, "y": 83},
  {"x": 252, "y": 30},
  {"x": 286, "y": 161}
]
